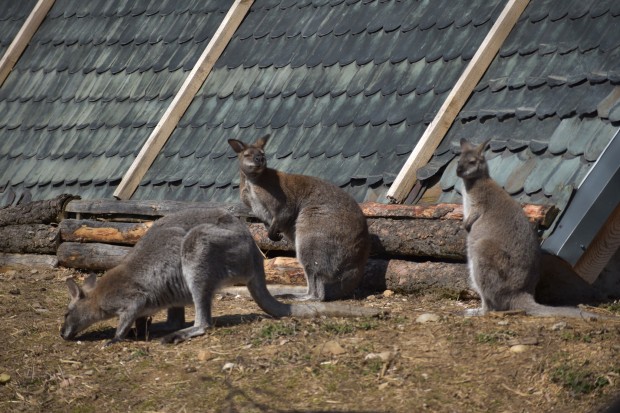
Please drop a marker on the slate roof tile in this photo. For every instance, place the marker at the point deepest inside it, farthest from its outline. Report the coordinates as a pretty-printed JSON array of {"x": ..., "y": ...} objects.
[{"x": 345, "y": 87}]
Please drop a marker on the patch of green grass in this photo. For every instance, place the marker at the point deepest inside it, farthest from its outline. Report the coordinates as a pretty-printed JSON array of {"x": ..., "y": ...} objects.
[
  {"x": 373, "y": 366},
  {"x": 614, "y": 307},
  {"x": 274, "y": 330},
  {"x": 578, "y": 381},
  {"x": 337, "y": 328},
  {"x": 347, "y": 327},
  {"x": 568, "y": 335},
  {"x": 495, "y": 336}
]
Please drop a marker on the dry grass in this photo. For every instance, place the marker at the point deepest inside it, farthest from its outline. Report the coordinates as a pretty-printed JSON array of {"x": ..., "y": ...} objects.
[{"x": 251, "y": 363}]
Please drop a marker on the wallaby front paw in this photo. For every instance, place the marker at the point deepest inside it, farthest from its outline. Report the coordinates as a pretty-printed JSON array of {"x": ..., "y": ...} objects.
[
  {"x": 274, "y": 236},
  {"x": 113, "y": 341},
  {"x": 172, "y": 338}
]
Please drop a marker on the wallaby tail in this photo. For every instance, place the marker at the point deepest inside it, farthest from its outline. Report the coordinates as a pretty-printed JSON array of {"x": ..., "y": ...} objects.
[
  {"x": 531, "y": 307},
  {"x": 270, "y": 305}
]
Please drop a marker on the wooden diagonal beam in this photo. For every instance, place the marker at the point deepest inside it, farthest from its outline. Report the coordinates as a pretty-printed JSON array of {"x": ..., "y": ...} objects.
[
  {"x": 182, "y": 100},
  {"x": 455, "y": 101},
  {"x": 18, "y": 45}
]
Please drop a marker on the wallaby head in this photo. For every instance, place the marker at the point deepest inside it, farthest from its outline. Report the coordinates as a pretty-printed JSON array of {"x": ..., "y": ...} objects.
[
  {"x": 472, "y": 164},
  {"x": 81, "y": 313},
  {"x": 252, "y": 158}
]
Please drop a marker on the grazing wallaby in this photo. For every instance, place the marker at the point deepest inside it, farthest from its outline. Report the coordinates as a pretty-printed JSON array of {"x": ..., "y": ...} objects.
[
  {"x": 502, "y": 247},
  {"x": 325, "y": 223},
  {"x": 182, "y": 260}
]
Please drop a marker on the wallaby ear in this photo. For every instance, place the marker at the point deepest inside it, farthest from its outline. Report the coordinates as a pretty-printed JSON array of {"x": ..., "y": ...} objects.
[
  {"x": 74, "y": 290},
  {"x": 465, "y": 144},
  {"x": 237, "y": 145},
  {"x": 262, "y": 141},
  {"x": 90, "y": 281},
  {"x": 483, "y": 146}
]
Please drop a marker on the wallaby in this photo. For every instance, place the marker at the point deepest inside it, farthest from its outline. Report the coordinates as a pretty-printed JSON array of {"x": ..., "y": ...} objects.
[
  {"x": 502, "y": 247},
  {"x": 182, "y": 260},
  {"x": 324, "y": 223}
]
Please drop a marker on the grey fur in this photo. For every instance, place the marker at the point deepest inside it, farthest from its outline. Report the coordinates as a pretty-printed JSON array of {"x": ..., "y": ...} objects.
[
  {"x": 325, "y": 223},
  {"x": 183, "y": 260},
  {"x": 502, "y": 247}
]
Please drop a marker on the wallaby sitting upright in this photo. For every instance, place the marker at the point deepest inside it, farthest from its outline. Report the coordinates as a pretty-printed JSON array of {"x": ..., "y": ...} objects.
[
  {"x": 502, "y": 247},
  {"x": 325, "y": 223},
  {"x": 182, "y": 260}
]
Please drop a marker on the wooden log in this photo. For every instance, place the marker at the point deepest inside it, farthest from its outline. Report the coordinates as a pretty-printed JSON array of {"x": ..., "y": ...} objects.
[
  {"x": 401, "y": 238},
  {"x": 90, "y": 257},
  {"x": 601, "y": 249},
  {"x": 75, "y": 230},
  {"x": 36, "y": 212},
  {"x": 443, "y": 239},
  {"x": 397, "y": 275},
  {"x": 108, "y": 208},
  {"x": 29, "y": 239},
  {"x": 27, "y": 260}
]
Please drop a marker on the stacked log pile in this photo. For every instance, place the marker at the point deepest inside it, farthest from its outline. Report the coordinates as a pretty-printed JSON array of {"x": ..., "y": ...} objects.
[
  {"x": 413, "y": 247},
  {"x": 29, "y": 232}
]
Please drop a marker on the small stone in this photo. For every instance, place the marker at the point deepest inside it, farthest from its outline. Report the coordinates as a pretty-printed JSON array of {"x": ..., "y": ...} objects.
[
  {"x": 204, "y": 355},
  {"x": 228, "y": 366},
  {"x": 519, "y": 348},
  {"x": 383, "y": 386},
  {"x": 4, "y": 378},
  {"x": 388, "y": 293},
  {"x": 384, "y": 356},
  {"x": 559, "y": 326},
  {"x": 15, "y": 291},
  {"x": 332, "y": 347},
  {"x": 427, "y": 318}
]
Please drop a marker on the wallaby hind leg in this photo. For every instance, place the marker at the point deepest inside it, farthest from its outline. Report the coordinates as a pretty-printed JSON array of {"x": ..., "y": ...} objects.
[
  {"x": 489, "y": 278},
  {"x": 202, "y": 287}
]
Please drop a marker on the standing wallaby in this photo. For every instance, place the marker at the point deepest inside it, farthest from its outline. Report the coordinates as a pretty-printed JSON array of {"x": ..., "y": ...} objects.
[
  {"x": 502, "y": 247},
  {"x": 182, "y": 260},
  {"x": 324, "y": 223}
]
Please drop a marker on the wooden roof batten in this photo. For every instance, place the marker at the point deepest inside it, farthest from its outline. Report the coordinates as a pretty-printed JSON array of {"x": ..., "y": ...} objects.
[
  {"x": 455, "y": 101},
  {"x": 21, "y": 40},
  {"x": 182, "y": 100}
]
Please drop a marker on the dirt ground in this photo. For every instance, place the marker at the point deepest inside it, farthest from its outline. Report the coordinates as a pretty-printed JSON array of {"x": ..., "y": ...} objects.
[{"x": 252, "y": 363}]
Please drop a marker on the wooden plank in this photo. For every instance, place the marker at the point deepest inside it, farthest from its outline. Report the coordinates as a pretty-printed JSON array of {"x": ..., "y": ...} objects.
[
  {"x": 459, "y": 94},
  {"x": 18, "y": 45},
  {"x": 601, "y": 249},
  {"x": 182, "y": 100}
]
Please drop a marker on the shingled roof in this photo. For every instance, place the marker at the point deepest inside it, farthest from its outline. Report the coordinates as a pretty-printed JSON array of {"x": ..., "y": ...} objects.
[
  {"x": 12, "y": 17},
  {"x": 93, "y": 82},
  {"x": 345, "y": 87},
  {"x": 549, "y": 103}
]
